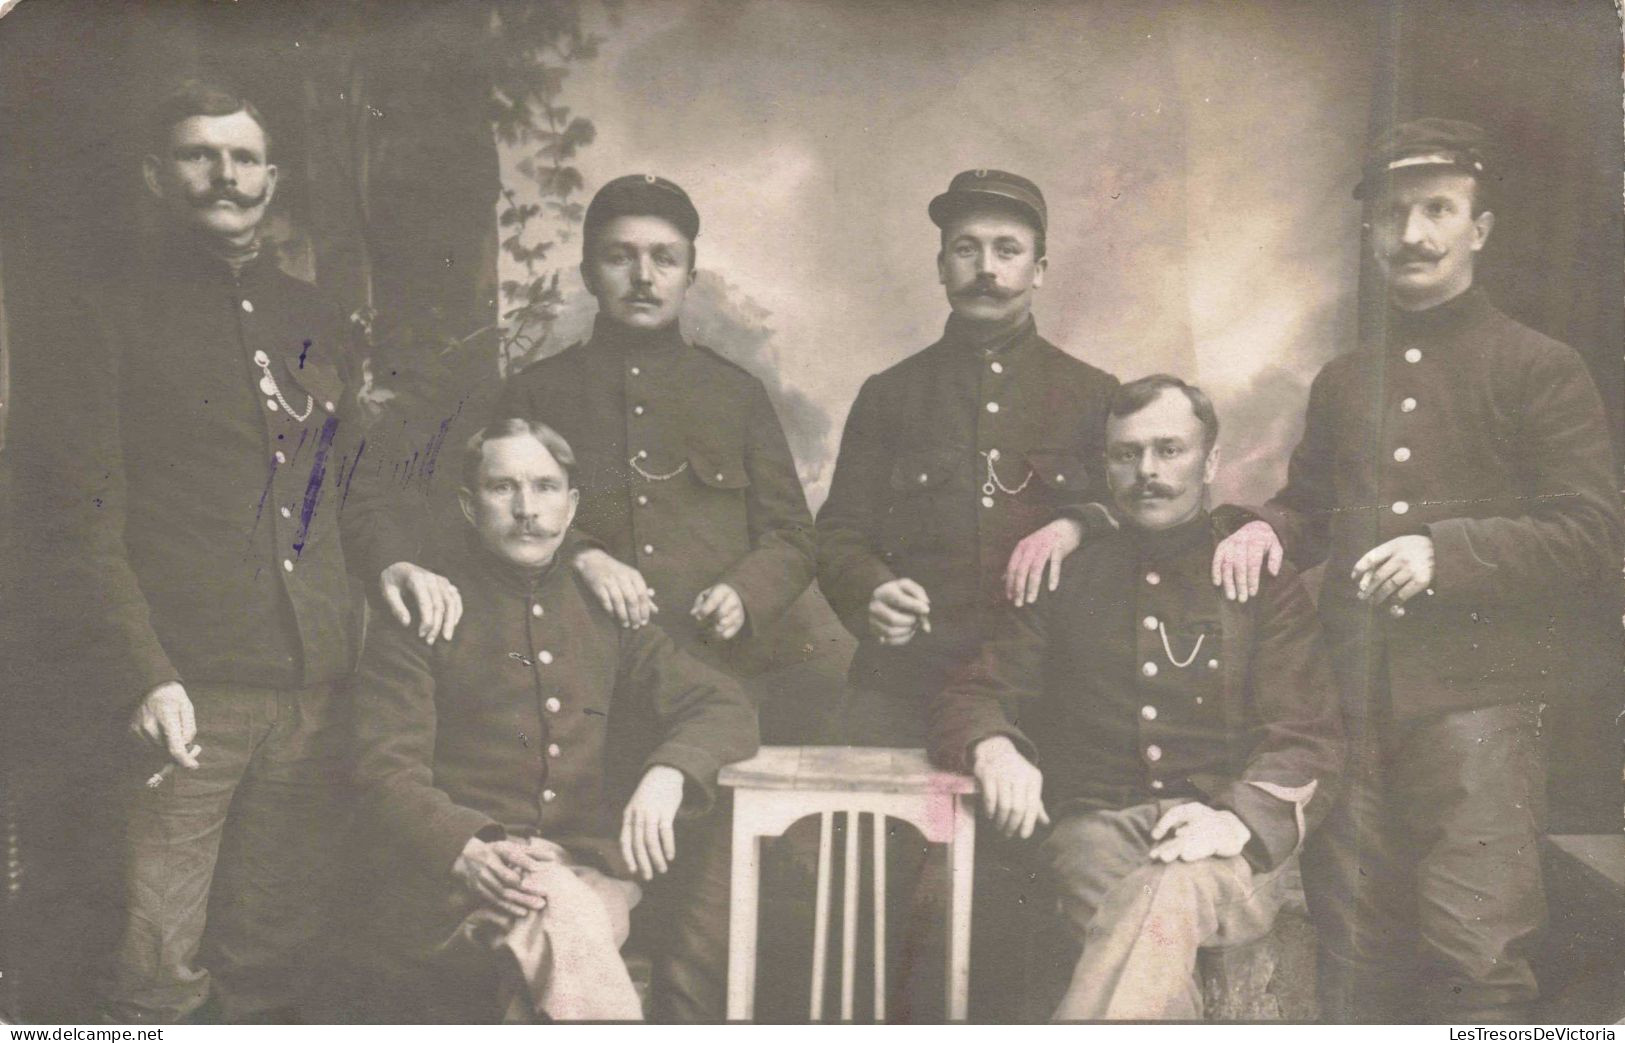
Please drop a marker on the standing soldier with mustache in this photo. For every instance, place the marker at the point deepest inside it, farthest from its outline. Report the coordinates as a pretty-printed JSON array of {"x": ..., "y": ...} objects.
[
  {"x": 689, "y": 500},
  {"x": 202, "y": 453},
  {"x": 962, "y": 480},
  {"x": 1456, "y": 477}
]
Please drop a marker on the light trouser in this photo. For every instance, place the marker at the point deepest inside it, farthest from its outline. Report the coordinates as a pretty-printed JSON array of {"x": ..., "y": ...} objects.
[
  {"x": 227, "y": 867},
  {"x": 1141, "y": 922},
  {"x": 1424, "y": 882}
]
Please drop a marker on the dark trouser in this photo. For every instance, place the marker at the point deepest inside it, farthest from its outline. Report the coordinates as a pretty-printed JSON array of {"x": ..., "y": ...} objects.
[
  {"x": 244, "y": 844},
  {"x": 688, "y": 922},
  {"x": 1140, "y": 922},
  {"x": 1424, "y": 882}
]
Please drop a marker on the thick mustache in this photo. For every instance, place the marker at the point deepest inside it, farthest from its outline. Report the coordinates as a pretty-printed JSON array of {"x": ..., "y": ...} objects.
[
  {"x": 985, "y": 289},
  {"x": 1408, "y": 255},
  {"x": 215, "y": 195},
  {"x": 638, "y": 297},
  {"x": 1152, "y": 489},
  {"x": 535, "y": 531}
]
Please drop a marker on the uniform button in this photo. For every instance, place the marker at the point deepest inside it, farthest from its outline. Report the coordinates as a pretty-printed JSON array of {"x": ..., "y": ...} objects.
[
  {"x": 636, "y": 371},
  {"x": 280, "y": 457},
  {"x": 544, "y": 657},
  {"x": 1150, "y": 623},
  {"x": 552, "y": 704},
  {"x": 1148, "y": 712},
  {"x": 1401, "y": 507},
  {"x": 1060, "y": 479},
  {"x": 637, "y": 410},
  {"x": 1428, "y": 592},
  {"x": 1152, "y": 578},
  {"x": 648, "y": 548},
  {"x": 261, "y": 359},
  {"x": 643, "y": 454},
  {"x": 1198, "y": 700},
  {"x": 643, "y": 501},
  {"x": 1413, "y": 355},
  {"x": 1397, "y": 611},
  {"x": 1149, "y": 669},
  {"x": 287, "y": 564},
  {"x": 721, "y": 477},
  {"x": 1153, "y": 752},
  {"x": 923, "y": 478},
  {"x": 992, "y": 407},
  {"x": 270, "y": 404},
  {"x": 987, "y": 501},
  {"x": 1474, "y": 617},
  {"x": 1402, "y": 454},
  {"x": 1212, "y": 664},
  {"x": 267, "y": 385},
  {"x": 286, "y": 513},
  {"x": 1407, "y": 405},
  {"x": 536, "y": 610},
  {"x": 248, "y": 305},
  {"x": 328, "y": 406},
  {"x": 997, "y": 367},
  {"x": 553, "y": 749},
  {"x": 548, "y": 796},
  {"x": 993, "y": 454},
  {"x": 1156, "y": 784}
]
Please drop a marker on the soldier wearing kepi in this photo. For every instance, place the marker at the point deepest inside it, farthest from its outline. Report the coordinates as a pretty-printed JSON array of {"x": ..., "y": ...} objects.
[
  {"x": 690, "y": 501},
  {"x": 963, "y": 470},
  {"x": 205, "y": 450},
  {"x": 1184, "y": 745},
  {"x": 1456, "y": 476}
]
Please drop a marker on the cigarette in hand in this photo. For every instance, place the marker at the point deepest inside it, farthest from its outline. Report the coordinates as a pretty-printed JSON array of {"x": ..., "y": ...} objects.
[
  {"x": 925, "y": 622},
  {"x": 157, "y": 778}
]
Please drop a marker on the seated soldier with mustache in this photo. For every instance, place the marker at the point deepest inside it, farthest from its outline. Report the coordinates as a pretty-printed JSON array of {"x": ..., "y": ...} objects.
[
  {"x": 518, "y": 774},
  {"x": 1187, "y": 741}
]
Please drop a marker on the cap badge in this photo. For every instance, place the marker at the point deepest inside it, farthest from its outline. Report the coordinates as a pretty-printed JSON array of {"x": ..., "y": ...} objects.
[{"x": 649, "y": 178}]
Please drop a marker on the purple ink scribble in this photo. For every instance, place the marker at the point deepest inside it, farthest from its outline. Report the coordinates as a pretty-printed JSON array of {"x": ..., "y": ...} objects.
[
  {"x": 313, "y": 488},
  {"x": 347, "y": 475},
  {"x": 302, "y": 353}
]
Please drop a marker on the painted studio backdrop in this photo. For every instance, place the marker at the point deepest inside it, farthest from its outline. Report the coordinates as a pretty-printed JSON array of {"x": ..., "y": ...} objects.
[{"x": 437, "y": 158}]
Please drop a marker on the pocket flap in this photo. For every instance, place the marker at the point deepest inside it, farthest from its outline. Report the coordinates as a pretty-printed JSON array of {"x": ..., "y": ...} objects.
[
  {"x": 719, "y": 470},
  {"x": 1060, "y": 469},
  {"x": 922, "y": 469},
  {"x": 319, "y": 380}
]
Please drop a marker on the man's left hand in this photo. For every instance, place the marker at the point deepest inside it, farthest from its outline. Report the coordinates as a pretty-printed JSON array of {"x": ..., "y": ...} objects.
[
  {"x": 1198, "y": 832},
  {"x": 720, "y": 607},
  {"x": 1040, "y": 549},
  {"x": 648, "y": 840},
  {"x": 1397, "y": 570}
]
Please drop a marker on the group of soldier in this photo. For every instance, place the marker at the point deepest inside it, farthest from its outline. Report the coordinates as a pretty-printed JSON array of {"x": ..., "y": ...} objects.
[{"x": 1160, "y": 714}]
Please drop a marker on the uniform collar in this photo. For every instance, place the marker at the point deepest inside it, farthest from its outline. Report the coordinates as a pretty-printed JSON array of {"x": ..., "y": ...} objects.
[
  {"x": 1457, "y": 313},
  {"x": 960, "y": 334},
  {"x": 1162, "y": 544},
  {"x": 609, "y": 333},
  {"x": 192, "y": 255}
]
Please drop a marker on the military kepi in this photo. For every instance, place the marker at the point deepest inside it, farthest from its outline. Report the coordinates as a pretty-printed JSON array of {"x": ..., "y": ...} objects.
[
  {"x": 979, "y": 188},
  {"x": 1430, "y": 142},
  {"x": 642, "y": 195}
]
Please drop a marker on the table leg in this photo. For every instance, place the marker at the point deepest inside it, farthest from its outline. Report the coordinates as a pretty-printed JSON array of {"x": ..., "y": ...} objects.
[
  {"x": 821, "y": 915},
  {"x": 742, "y": 911},
  {"x": 961, "y": 866},
  {"x": 880, "y": 917}
]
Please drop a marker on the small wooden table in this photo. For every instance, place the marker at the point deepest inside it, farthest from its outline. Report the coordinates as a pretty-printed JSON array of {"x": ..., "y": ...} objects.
[{"x": 783, "y": 784}]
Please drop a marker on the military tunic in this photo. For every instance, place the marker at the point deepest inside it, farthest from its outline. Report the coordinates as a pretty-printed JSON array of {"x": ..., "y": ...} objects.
[
  {"x": 948, "y": 460},
  {"x": 1137, "y": 682},
  {"x": 1490, "y": 438},
  {"x": 537, "y": 719},
  {"x": 684, "y": 471}
]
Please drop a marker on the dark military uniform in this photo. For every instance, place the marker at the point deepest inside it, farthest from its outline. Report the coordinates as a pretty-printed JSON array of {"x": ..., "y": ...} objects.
[
  {"x": 948, "y": 460},
  {"x": 537, "y": 719},
  {"x": 684, "y": 472},
  {"x": 1461, "y": 424},
  {"x": 1136, "y": 687},
  {"x": 204, "y": 460}
]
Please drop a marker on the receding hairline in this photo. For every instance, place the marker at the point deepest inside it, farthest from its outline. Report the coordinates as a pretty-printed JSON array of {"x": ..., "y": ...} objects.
[{"x": 558, "y": 448}]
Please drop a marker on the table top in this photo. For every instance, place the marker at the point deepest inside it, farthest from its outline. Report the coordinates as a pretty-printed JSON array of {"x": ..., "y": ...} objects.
[{"x": 875, "y": 769}]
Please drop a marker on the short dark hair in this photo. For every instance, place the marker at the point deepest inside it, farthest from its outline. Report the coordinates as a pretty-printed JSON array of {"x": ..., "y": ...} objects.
[
  {"x": 552, "y": 441},
  {"x": 195, "y": 96},
  {"x": 1134, "y": 396}
]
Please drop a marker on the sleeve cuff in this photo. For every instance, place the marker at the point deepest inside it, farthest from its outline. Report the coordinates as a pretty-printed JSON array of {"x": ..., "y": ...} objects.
[
  {"x": 449, "y": 832},
  {"x": 699, "y": 768},
  {"x": 1273, "y": 821}
]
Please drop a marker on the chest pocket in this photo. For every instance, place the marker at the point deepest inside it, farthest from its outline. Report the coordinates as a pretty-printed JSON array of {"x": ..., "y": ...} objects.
[
  {"x": 922, "y": 471},
  {"x": 1061, "y": 472},
  {"x": 320, "y": 381},
  {"x": 719, "y": 469}
]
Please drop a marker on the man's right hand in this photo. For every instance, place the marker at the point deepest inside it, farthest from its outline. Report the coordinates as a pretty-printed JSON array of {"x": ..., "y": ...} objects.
[
  {"x": 439, "y": 604},
  {"x": 897, "y": 609},
  {"x": 1238, "y": 561},
  {"x": 165, "y": 719},
  {"x": 494, "y": 872},
  {"x": 1012, "y": 787},
  {"x": 619, "y": 587}
]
